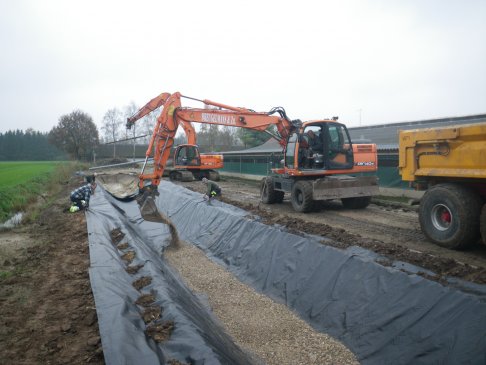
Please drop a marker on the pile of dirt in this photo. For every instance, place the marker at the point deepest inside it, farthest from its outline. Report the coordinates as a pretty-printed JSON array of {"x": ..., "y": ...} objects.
[{"x": 46, "y": 304}]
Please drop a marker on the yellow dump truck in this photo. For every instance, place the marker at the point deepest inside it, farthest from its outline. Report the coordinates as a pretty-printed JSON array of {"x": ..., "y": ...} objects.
[{"x": 450, "y": 164}]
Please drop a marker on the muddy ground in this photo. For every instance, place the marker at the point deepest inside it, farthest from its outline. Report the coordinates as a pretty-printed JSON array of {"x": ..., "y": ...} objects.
[
  {"x": 47, "y": 310},
  {"x": 390, "y": 229}
]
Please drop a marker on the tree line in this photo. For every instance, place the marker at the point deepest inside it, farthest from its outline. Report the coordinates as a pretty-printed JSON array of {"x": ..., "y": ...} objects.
[
  {"x": 30, "y": 145},
  {"x": 76, "y": 136}
]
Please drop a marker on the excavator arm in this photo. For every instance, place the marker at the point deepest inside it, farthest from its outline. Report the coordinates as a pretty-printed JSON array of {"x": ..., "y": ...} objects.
[
  {"x": 173, "y": 115},
  {"x": 325, "y": 170}
]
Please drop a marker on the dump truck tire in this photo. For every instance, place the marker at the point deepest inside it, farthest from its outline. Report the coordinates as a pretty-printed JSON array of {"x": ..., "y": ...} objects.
[
  {"x": 449, "y": 216},
  {"x": 268, "y": 193},
  {"x": 482, "y": 224},
  {"x": 356, "y": 203},
  {"x": 301, "y": 196}
]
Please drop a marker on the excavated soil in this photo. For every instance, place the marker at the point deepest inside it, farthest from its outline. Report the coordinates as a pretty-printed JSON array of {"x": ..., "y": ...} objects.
[
  {"x": 390, "y": 229},
  {"x": 47, "y": 308}
]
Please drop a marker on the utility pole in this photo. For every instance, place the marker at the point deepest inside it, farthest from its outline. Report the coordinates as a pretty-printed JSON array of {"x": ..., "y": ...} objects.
[{"x": 359, "y": 111}]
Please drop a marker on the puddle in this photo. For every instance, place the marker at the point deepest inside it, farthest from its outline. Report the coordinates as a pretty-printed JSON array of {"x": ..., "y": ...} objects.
[{"x": 12, "y": 222}]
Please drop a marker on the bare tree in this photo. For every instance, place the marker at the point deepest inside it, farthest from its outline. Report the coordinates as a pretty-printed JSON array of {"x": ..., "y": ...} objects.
[
  {"x": 75, "y": 134},
  {"x": 131, "y": 109},
  {"x": 148, "y": 124},
  {"x": 112, "y": 121}
]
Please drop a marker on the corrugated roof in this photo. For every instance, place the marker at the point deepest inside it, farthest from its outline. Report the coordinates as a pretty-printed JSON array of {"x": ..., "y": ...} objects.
[
  {"x": 387, "y": 134},
  {"x": 384, "y": 135}
]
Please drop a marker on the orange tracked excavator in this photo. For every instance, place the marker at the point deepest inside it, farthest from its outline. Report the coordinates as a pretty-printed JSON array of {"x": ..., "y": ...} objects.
[
  {"x": 319, "y": 160},
  {"x": 188, "y": 163}
]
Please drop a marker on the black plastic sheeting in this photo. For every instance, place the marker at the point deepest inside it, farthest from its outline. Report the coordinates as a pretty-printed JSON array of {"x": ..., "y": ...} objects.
[
  {"x": 198, "y": 338},
  {"x": 384, "y": 315}
]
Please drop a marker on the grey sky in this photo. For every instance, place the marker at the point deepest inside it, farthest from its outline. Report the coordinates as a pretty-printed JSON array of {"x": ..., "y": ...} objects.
[{"x": 393, "y": 60}]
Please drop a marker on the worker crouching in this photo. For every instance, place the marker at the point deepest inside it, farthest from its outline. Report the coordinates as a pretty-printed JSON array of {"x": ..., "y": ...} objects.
[
  {"x": 80, "y": 197},
  {"x": 213, "y": 190}
]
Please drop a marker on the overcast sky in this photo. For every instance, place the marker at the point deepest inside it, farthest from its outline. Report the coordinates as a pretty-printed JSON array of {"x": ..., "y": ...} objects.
[{"x": 372, "y": 62}]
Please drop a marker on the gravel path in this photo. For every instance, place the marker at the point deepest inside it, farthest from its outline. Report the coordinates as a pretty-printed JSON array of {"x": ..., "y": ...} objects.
[{"x": 257, "y": 324}]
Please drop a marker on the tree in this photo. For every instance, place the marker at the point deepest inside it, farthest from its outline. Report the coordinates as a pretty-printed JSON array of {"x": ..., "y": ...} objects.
[
  {"x": 112, "y": 122},
  {"x": 252, "y": 138},
  {"x": 131, "y": 109},
  {"x": 148, "y": 124},
  {"x": 28, "y": 146},
  {"x": 76, "y": 134}
]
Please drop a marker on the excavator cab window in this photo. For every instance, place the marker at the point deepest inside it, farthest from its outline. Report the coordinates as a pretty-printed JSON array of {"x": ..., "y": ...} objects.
[
  {"x": 311, "y": 148},
  {"x": 290, "y": 151},
  {"x": 338, "y": 150},
  {"x": 187, "y": 155}
]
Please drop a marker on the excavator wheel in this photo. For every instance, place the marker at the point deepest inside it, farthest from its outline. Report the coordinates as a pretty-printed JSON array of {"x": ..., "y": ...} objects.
[
  {"x": 449, "y": 216},
  {"x": 301, "y": 196},
  {"x": 268, "y": 193},
  {"x": 175, "y": 176},
  {"x": 214, "y": 175},
  {"x": 186, "y": 175}
]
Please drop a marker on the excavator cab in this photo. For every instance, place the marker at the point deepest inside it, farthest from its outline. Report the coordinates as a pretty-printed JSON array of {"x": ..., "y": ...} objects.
[
  {"x": 320, "y": 146},
  {"x": 186, "y": 155},
  {"x": 189, "y": 164}
]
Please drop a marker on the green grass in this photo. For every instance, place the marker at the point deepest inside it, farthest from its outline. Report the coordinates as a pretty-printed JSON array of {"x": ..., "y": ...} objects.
[
  {"x": 21, "y": 183},
  {"x": 15, "y": 173},
  {"x": 5, "y": 275}
]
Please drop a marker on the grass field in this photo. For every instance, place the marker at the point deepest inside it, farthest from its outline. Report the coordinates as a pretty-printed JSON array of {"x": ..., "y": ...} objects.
[
  {"x": 21, "y": 183},
  {"x": 21, "y": 172}
]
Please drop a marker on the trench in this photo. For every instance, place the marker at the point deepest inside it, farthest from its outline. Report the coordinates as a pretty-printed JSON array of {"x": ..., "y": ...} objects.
[{"x": 383, "y": 314}]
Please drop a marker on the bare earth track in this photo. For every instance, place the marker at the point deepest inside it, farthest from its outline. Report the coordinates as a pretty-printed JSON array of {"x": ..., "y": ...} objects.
[{"x": 47, "y": 309}]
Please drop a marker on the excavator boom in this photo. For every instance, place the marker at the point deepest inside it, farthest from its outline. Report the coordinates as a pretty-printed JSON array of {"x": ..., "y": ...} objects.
[{"x": 318, "y": 168}]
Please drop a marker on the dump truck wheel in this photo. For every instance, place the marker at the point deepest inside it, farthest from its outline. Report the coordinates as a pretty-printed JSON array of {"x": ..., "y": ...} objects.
[
  {"x": 482, "y": 224},
  {"x": 449, "y": 216},
  {"x": 268, "y": 193},
  {"x": 356, "y": 203},
  {"x": 301, "y": 196}
]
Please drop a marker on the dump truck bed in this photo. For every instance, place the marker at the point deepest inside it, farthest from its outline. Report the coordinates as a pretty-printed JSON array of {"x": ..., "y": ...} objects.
[{"x": 449, "y": 152}]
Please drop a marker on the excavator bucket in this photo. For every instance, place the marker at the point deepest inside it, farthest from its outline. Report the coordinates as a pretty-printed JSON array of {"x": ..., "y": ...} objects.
[
  {"x": 124, "y": 186},
  {"x": 148, "y": 208},
  {"x": 150, "y": 212}
]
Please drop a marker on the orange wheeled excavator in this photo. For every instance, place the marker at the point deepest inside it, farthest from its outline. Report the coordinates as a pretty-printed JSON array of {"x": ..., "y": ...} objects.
[
  {"x": 325, "y": 167},
  {"x": 188, "y": 163}
]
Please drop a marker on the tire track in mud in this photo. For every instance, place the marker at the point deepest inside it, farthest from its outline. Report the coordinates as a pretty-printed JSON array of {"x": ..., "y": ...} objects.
[
  {"x": 397, "y": 234},
  {"x": 343, "y": 239}
]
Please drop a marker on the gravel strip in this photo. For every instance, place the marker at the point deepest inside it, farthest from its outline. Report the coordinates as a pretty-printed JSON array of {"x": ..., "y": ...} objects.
[{"x": 257, "y": 324}]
